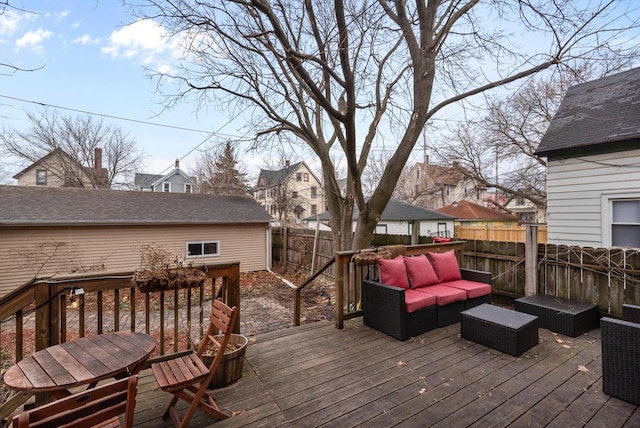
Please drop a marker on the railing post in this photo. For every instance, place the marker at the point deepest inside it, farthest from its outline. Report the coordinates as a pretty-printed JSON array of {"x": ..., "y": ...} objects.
[
  {"x": 339, "y": 292},
  {"x": 233, "y": 291},
  {"x": 531, "y": 259},
  {"x": 43, "y": 315}
]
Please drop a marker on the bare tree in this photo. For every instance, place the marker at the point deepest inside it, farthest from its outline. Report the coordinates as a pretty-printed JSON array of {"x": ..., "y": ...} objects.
[
  {"x": 321, "y": 72},
  {"x": 498, "y": 150},
  {"x": 71, "y": 142},
  {"x": 218, "y": 171}
]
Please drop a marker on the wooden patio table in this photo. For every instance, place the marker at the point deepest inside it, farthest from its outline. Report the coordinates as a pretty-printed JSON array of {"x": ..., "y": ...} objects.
[{"x": 80, "y": 362}]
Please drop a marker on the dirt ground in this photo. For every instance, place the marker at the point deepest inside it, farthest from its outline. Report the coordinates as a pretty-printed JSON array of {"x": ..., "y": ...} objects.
[{"x": 317, "y": 298}]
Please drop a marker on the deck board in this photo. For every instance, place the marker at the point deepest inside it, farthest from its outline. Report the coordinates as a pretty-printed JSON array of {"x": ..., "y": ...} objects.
[{"x": 316, "y": 375}]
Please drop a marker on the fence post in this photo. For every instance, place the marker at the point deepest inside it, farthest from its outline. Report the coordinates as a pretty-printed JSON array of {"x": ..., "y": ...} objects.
[
  {"x": 339, "y": 292},
  {"x": 531, "y": 259}
]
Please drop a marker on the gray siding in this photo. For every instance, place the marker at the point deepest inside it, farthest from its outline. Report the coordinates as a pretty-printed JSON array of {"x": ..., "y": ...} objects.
[{"x": 577, "y": 189}]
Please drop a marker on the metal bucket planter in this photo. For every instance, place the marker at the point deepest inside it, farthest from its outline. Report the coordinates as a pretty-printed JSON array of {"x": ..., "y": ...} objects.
[{"x": 230, "y": 368}]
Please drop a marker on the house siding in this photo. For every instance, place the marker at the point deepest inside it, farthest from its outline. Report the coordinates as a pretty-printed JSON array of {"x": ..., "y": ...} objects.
[
  {"x": 575, "y": 191},
  {"x": 118, "y": 248}
]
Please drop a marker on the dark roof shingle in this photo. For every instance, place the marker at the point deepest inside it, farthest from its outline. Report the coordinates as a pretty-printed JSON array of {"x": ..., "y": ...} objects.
[
  {"x": 598, "y": 116},
  {"x": 397, "y": 210},
  {"x": 33, "y": 205}
]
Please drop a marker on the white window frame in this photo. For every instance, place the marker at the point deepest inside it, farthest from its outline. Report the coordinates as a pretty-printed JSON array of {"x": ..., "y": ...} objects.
[
  {"x": 165, "y": 183},
  {"x": 202, "y": 243},
  {"x": 188, "y": 188},
  {"x": 39, "y": 173},
  {"x": 607, "y": 200}
]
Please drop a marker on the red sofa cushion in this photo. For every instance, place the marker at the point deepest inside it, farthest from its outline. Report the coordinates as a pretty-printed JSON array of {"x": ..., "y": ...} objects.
[
  {"x": 416, "y": 300},
  {"x": 472, "y": 288},
  {"x": 393, "y": 272},
  {"x": 420, "y": 271},
  {"x": 446, "y": 265},
  {"x": 444, "y": 295}
]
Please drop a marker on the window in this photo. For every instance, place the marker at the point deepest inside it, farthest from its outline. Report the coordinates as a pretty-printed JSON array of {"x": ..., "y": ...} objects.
[
  {"x": 299, "y": 176},
  {"x": 41, "y": 177},
  {"x": 203, "y": 249},
  {"x": 314, "y": 192},
  {"x": 520, "y": 202},
  {"x": 442, "y": 230},
  {"x": 188, "y": 188},
  {"x": 261, "y": 194},
  {"x": 306, "y": 177},
  {"x": 381, "y": 229},
  {"x": 314, "y": 209},
  {"x": 625, "y": 223},
  {"x": 166, "y": 186},
  {"x": 294, "y": 194}
]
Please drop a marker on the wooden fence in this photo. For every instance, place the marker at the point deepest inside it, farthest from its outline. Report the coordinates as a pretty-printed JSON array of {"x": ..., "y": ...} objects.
[
  {"x": 606, "y": 277},
  {"x": 497, "y": 233}
]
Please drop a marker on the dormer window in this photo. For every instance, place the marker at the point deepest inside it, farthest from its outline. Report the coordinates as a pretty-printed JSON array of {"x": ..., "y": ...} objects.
[
  {"x": 166, "y": 186},
  {"x": 188, "y": 188}
]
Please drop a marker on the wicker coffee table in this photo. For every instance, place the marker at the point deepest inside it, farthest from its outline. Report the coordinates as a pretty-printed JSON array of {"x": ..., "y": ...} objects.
[
  {"x": 499, "y": 328},
  {"x": 561, "y": 315}
]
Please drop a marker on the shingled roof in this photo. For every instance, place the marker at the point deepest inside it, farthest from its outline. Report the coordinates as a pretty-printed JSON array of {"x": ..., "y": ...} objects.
[
  {"x": 465, "y": 210},
  {"x": 49, "y": 206},
  {"x": 397, "y": 210},
  {"x": 595, "y": 117},
  {"x": 270, "y": 178}
]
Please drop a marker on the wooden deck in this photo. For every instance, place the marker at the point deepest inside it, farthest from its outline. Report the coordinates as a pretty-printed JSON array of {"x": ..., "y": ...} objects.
[{"x": 316, "y": 375}]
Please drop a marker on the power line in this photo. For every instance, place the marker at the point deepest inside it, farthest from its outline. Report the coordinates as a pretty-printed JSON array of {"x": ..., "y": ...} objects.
[{"x": 39, "y": 103}]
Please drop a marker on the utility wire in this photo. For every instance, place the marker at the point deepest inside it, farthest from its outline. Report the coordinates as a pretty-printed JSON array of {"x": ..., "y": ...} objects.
[{"x": 181, "y": 128}]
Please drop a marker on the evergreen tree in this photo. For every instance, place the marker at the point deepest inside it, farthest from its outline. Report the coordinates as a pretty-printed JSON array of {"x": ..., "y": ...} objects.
[{"x": 218, "y": 172}]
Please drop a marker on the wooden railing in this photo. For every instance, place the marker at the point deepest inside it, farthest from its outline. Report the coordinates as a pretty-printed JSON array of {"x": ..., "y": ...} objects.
[{"x": 40, "y": 314}]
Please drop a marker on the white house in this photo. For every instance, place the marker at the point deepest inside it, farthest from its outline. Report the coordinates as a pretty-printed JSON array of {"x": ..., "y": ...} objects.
[
  {"x": 399, "y": 218},
  {"x": 592, "y": 148}
]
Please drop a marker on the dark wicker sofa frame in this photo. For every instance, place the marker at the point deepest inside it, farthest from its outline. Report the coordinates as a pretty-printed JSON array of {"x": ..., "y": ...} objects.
[
  {"x": 621, "y": 355},
  {"x": 384, "y": 308}
]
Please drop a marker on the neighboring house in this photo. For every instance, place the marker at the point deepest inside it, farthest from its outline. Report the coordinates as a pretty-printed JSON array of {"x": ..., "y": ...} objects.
[
  {"x": 526, "y": 210},
  {"x": 592, "y": 148},
  {"x": 399, "y": 218},
  {"x": 58, "y": 169},
  {"x": 434, "y": 186},
  {"x": 176, "y": 181},
  {"x": 293, "y": 189},
  {"x": 469, "y": 214},
  {"x": 44, "y": 230}
]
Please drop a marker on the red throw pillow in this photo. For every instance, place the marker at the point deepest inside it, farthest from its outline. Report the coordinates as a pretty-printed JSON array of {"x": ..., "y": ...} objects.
[
  {"x": 420, "y": 271},
  {"x": 393, "y": 272},
  {"x": 446, "y": 265}
]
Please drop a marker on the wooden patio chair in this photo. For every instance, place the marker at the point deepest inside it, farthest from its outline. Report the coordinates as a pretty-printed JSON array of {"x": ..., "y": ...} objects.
[
  {"x": 95, "y": 407},
  {"x": 188, "y": 378}
]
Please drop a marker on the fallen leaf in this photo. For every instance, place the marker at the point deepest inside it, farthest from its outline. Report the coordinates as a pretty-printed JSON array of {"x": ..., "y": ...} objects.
[
  {"x": 237, "y": 412},
  {"x": 558, "y": 339},
  {"x": 401, "y": 364},
  {"x": 566, "y": 346},
  {"x": 423, "y": 390},
  {"x": 421, "y": 378},
  {"x": 252, "y": 340},
  {"x": 583, "y": 368}
]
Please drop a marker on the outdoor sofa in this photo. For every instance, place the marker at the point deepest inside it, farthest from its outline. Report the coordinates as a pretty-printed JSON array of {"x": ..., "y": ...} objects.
[
  {"x": 416, "y": 294},
  {"x": 621, "y": 354}
]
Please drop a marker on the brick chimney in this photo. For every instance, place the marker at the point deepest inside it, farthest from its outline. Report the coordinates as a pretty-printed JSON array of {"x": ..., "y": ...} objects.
[{"x": 97, "y": 160}]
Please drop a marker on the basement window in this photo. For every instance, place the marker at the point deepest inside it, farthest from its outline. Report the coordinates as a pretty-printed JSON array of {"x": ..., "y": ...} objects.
[{"x": 203, "y": 249}]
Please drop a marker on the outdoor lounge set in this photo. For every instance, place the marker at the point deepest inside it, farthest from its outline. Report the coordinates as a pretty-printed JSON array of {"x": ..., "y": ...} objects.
[{"x": 416, "y": 294}]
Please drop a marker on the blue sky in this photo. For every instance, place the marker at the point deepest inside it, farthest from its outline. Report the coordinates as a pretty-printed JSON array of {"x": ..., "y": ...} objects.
[{"x": 93, "y": 55}]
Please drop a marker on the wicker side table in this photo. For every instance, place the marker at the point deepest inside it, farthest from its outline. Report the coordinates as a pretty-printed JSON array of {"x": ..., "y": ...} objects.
[
  {"x": 561, "y": 315},
  {"x": 505, "y": 330}
]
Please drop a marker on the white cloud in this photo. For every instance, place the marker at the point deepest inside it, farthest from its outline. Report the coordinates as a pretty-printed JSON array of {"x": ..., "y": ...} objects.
[
  {"x": 142, "y": 38},
  {"x": 86, "y": 39},
  {"x": 33, "y": 39},
  {"x": 9, "y": 23},
  {"x": 63, "y": 14}
]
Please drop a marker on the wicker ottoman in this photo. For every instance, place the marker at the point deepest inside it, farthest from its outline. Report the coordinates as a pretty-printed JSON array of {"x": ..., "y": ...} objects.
[
  {"x": 561, "y": 315},
  {"x": 499, "y": 328}
]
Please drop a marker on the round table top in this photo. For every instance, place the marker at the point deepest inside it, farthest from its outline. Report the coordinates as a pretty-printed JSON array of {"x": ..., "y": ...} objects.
[{"x": 83, "y": 361}]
